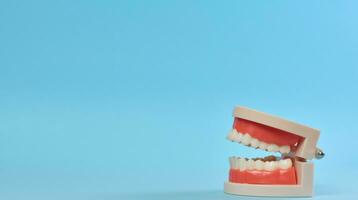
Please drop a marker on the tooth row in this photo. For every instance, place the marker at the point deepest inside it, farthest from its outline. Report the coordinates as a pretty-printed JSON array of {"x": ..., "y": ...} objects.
[
  {"x": 247, "y": 140},
  {"x": 248, "y": 164}
]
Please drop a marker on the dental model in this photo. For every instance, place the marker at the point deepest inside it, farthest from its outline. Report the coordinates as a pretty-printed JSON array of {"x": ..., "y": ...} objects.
[{"x": 289, "y": 175}]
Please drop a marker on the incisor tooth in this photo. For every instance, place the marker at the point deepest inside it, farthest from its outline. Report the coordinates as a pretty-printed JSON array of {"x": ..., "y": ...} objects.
[
  {"x": 259, "y": 164},
  {"x": 240, "y": 136},
  {"x": 285, "y": 164},
  {"x": 285, "y": 149},
  {"x": 250, "y": 164},
  {"x": 272, "y": 148},
  {"x": 236, "y": 163},
  {"x": 232, "y": 160},
  {"x": 242, "y": 164},
  {"x": 254, "y": 142},
  {"x": 263, "y": 145},
  {"x": 230, "y": 135},
  {"x": 246, "y": 139},
  {"x": 237, "y": 137}
]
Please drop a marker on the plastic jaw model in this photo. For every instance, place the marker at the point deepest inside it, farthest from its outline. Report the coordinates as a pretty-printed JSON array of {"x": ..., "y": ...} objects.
[{"x": 288, "y": 175}]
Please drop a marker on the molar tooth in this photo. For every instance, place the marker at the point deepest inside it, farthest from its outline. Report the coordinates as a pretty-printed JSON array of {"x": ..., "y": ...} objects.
[
  {"x": 254, "y": 142},
  {"x": 250, "y": 164},
  {"x": 263, "y": 145},
  {"x": 272, "y": 148},
  {"x": 259, "y": 164},
  {"x": 285, "y": 149},
  {"x": 246, "y": 139},
  {"x": 242, "y": 164},
  {"x": 270, "y": 165},
  {"x": 285, "y": 164}
]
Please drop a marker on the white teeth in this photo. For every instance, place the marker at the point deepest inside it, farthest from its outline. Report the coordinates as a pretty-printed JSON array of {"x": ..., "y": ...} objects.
[
  {"x": 231, "y": 135},
  {"x": 239, "y": 137},
  {"x": 236, "y": 163},
  {"x": 236, "y": 137},
  {"x": 250, "y": 164},
  {"x": 254, "y": 142},
  {"x": 242, "y": 164},
  {"x": 285, "y": 149},
  {"x": 259, "y": 164},
  {"x": 272, "y": 148},
  {"x": 270, "y": 165},
  {"x": 285, "y": 164},
  {"x": 246, "y": 139},
  {"x": 231, "y": 161},
  {"x": 263, "y": 145}
]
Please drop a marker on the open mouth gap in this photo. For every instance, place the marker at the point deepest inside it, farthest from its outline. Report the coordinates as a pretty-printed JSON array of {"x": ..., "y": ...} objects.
[{"x": 270, "y": 169}]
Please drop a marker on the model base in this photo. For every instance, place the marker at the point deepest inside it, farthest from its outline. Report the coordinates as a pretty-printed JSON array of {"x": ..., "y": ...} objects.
[
  {"x": 266, "y": 190},
  {"x": 304, "y": 188}
]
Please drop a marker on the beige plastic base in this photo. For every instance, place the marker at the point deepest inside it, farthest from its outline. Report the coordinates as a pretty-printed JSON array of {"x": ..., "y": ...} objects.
[{"x": 304, "y": 188}]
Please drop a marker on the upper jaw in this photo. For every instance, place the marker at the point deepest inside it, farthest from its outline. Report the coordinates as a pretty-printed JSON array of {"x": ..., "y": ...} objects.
[{"x": 275, "y": 130}]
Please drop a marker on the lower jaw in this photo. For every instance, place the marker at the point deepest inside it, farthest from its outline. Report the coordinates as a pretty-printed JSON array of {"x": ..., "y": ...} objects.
[{"x": 276, "y": 177}]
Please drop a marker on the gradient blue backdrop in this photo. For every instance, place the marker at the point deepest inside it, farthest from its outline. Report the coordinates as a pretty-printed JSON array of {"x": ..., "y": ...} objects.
[{"x": 100, "y": 99}]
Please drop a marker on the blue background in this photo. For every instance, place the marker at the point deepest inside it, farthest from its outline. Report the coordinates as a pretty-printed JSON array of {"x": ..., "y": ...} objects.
[{"x": 133, "y": 99}]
